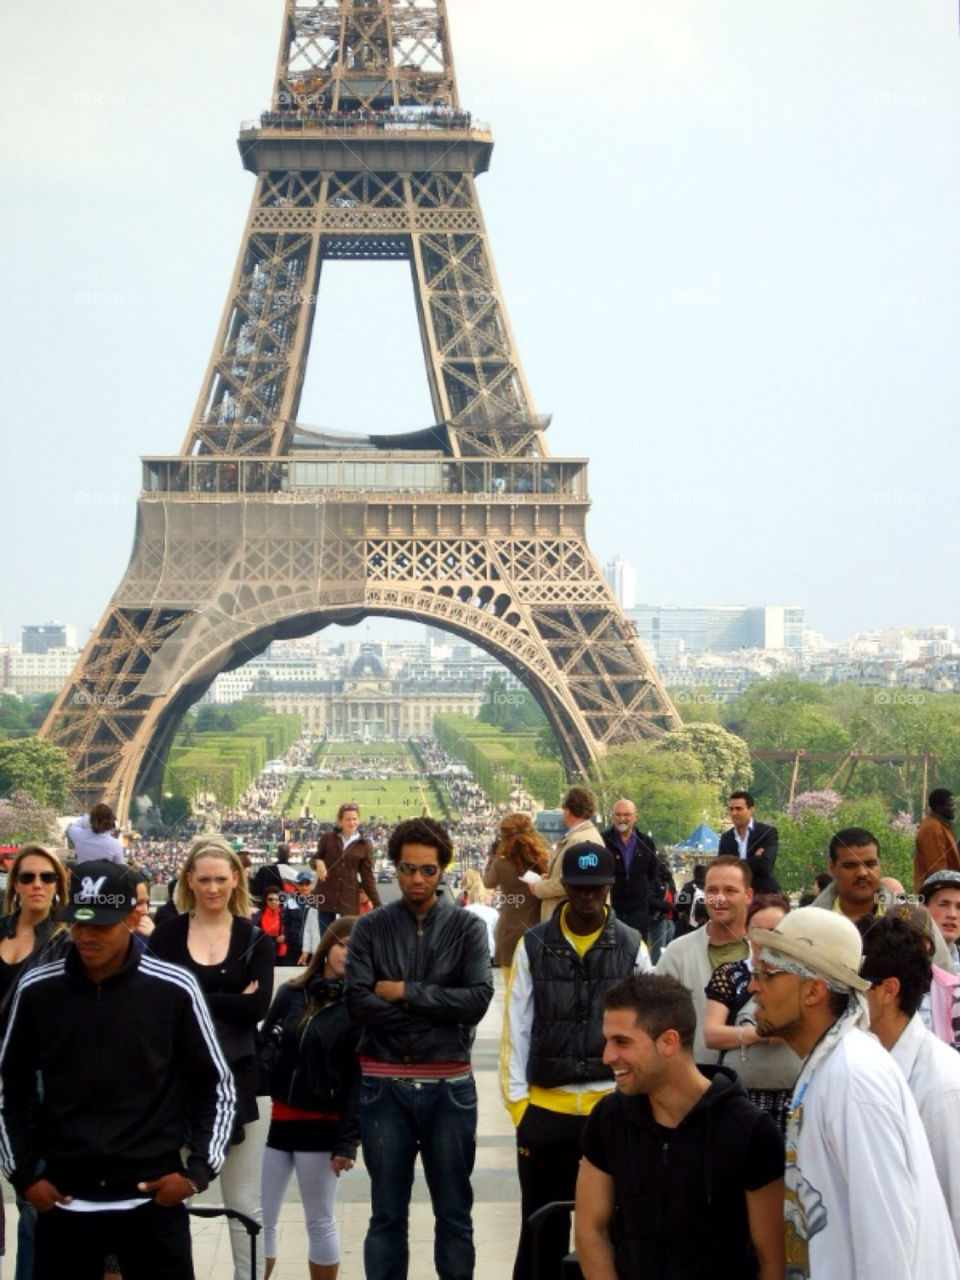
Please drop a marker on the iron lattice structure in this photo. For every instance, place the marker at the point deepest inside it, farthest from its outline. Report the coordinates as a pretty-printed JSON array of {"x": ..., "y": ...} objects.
[{"x": 261, "y": 529}]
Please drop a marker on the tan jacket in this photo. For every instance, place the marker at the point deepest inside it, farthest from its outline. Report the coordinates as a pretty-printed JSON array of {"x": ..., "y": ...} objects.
[{"x": 549, "y": 889}]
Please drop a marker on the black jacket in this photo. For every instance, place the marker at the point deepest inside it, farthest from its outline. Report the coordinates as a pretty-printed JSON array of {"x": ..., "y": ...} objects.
[
  {"x": 130, "y": 1071},
  {"x": 250, "y": 958},
  {"x": 634, "y": 887},
  {"x": 761, "y": 864},
  {"x": 267, "y": 877},
  {"x": 315, "y": 1068},
  {"x": 566, "y": 1039},
  {"x": 443, "y": 959},
  {"x": 668, "y": 1181},
  {"x": 50, "y": 942}
]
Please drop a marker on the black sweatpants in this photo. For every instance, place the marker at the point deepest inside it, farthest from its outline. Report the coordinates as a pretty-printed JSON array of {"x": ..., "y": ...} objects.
[
  {"x": 151, "y": 1243},
  {"x": 548, "y": 1157}
]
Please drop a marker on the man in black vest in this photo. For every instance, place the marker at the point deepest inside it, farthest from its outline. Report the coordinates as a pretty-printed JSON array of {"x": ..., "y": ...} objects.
[
  {"x": 552, "y": 1070},
  {"x": 754, "y": 841}
]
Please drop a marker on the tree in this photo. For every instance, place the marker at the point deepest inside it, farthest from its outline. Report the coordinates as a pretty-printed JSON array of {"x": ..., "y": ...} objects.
[
  {"x": 509, "y": 709},
  {"x": 37, "y": 767},
  {"x": 16, "y": 719},
  {"x": 23, "y": 820},
  {"x": 700, "y": 704},
  {"x": 724, "y": 759},
  {"x": 666, "y": 786}
]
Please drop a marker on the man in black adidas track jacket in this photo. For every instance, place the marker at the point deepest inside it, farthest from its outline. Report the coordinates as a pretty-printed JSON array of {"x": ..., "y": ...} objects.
[{"x": 109, "y": 1066}]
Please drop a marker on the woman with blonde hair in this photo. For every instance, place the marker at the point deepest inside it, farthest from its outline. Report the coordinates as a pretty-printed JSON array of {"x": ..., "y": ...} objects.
[
  {"x": 520, "y": 850},
  {"x": 232, "y": 960},
  {"x": 309, "y": 1056}
]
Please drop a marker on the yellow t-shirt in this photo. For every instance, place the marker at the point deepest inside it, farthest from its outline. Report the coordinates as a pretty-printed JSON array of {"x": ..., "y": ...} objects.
[{"x": 581, "y": 943}]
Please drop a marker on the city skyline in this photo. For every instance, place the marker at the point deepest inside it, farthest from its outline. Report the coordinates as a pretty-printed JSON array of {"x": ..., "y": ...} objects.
[{"x": 759, "y": 365}]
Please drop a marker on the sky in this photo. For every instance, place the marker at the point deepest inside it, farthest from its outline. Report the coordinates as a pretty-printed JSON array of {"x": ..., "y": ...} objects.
[{"x": 726, "y": 236}]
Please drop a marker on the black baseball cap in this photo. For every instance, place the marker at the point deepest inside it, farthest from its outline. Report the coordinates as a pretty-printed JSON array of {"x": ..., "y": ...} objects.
[
  {"x": 101, "y": 892},
  {"x": 587, "y": 864}
]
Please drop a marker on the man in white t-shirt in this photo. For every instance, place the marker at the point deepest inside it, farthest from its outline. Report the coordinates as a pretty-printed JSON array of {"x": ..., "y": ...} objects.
[
  {"x": 862, "y": 1194},
  {"x": 897, "y": 963},
  {"x": 93, "y": 839}
]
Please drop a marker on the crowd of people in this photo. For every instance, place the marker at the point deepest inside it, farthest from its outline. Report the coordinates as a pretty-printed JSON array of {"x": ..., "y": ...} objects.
[{"x": 720, "y": 1083}]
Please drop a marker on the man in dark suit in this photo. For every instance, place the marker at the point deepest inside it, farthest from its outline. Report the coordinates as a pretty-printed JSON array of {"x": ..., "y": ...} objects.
[
  {"x": 634, "y": 867},
  {"x": 754, "y": 841}
]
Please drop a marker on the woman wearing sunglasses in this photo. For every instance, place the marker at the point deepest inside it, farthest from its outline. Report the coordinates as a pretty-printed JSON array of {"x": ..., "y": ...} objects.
[
  {"x": 309, "y": 1056},
  {"x": 29, "y": 932},
  {"x": 29, "y": 936}
]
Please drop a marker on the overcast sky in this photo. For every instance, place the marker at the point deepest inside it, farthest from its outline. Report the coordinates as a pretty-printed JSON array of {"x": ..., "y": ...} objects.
[{"x": 726, "y": 235}]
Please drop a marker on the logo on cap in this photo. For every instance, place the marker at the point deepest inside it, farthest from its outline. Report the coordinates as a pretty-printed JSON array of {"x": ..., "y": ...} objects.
[
  {"x": 84, "y": 913},
  {"x": 587, "y": 861},
  {"x": 90, "y": 888}
]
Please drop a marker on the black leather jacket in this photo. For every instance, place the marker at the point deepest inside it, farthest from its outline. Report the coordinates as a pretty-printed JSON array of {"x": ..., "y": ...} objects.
[
  {"x": 314, "y": 1067},
  {"x": 443, "y": 959}
]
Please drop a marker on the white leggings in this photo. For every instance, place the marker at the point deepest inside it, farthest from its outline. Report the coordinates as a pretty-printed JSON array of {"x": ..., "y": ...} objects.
[
  {"x": 240, "y": 1187},
  {"x": 318, "y": 1192}
]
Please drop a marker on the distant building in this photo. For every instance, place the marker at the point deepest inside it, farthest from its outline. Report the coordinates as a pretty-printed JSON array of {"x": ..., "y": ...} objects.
[
  {"x": 622, "y": 578},
  {"x": 668, "y": 632},
  {"x": 41, "y": 638},
  {"x": 33, "y": 674},
  {"x": 369, "y": 704}
]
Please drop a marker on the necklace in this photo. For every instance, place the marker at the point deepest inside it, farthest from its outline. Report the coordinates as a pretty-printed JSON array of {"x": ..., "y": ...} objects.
[{"x": 211, "y": 941}]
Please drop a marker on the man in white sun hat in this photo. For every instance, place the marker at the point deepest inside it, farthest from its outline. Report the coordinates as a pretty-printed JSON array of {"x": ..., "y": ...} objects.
[{"x": 862, "y": 1195}]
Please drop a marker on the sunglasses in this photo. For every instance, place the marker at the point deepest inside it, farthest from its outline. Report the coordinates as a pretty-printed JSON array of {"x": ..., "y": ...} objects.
[
  {"x": 765, "y": 975},
  {"x": 28, "y": 877},
  {"x": 411, "y": 869}
]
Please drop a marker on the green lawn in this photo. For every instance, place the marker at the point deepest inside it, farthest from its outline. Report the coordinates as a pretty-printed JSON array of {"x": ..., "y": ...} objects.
[{"x": 391, "y": 799}]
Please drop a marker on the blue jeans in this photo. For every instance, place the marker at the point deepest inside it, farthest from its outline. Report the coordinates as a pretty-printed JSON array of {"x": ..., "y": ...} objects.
[
  {"x": 26, "y": 1234},
  {"x": 398, "y": 1118}
]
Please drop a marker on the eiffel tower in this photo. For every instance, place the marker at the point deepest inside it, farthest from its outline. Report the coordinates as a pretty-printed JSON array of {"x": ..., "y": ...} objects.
[{"x": 261, "y": 529}]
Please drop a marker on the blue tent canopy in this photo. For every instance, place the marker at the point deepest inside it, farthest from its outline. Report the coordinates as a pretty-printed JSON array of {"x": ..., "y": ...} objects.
[{"x": 702, "y": 840}]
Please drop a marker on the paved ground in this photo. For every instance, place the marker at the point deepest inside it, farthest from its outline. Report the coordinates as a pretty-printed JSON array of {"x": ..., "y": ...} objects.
[{"x": 496, "y": 1211}]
